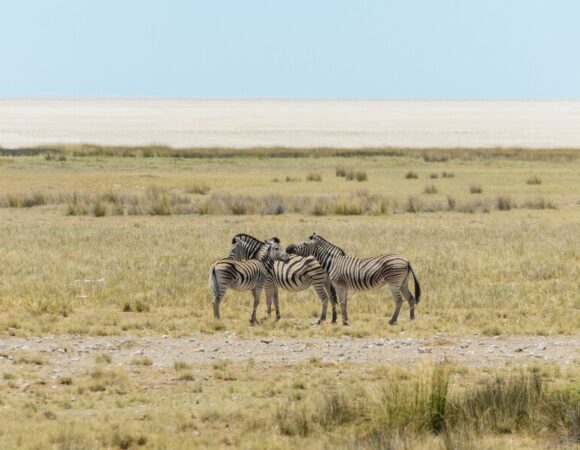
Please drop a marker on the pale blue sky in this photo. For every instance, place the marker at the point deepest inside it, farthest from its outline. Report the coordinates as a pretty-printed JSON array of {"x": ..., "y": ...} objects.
[{"x": 297, "y": 49}]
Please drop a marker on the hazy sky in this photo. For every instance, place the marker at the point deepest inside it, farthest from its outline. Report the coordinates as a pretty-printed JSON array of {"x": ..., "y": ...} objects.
[{"x": 299, "y": 49}]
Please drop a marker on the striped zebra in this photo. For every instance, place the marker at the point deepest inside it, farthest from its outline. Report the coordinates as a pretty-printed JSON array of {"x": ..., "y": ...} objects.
[
  {"x": 348, "y": 272},
  {"x": 297, "y": 274},
  {"x": 254, "y": 275}
]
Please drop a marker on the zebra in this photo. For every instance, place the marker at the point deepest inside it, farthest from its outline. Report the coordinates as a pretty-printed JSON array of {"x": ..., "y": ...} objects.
[
  {"x": 348, "y": 272},
  {"x": 297, "y": 274},
  {"x": 254, "y": 275}
]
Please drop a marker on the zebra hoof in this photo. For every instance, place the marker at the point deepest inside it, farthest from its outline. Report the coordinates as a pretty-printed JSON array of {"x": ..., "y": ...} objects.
[
  {"x": 392, "y": 322},
  {"x": 278, "y": 317},
  {"x": 345, "y": 323},
  {"x": 254, "y": 322}
]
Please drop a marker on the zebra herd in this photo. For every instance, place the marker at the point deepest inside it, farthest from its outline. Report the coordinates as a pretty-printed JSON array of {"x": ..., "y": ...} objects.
[{"x": 263, "y": 265}]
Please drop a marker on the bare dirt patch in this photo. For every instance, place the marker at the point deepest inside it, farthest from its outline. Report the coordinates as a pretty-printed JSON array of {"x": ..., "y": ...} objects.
[{"x": 69, "y": 355}]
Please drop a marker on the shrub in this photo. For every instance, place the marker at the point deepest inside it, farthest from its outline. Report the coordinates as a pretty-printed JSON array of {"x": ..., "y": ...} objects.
[
  {"x": 291, "y": 179},
  {"x": 198, "y": 188},
  {"x": 534, "y": 179},
  {"x": 434, "y": 157},
  {"x": 504, "y": 203},
  {"x": 361, "y": 176},
  {"x": 341, "y": 172},
  {"x": 538, "y": 203},
  {"x": 99, "y": 209},
  {"x": 475, "y": 189},
  {"x": 411, "y": 175},
  {"x": 434, "y": 176},
  {"x": 313, "y": 177},
  {"x": 430, "y": 189}
]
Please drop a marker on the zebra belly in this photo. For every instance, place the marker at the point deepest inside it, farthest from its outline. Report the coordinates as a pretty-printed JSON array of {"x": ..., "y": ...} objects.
[
  {"x": 365, "y": 284},
  {"x": 299, "y": 285}
]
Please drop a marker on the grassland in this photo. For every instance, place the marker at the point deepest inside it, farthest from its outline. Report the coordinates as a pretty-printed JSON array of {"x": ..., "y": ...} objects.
[{"x": 495, "y": 254}]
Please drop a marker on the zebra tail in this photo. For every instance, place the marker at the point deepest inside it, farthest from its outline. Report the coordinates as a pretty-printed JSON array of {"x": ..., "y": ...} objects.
[
  {"x": 417, "y": 287},
  {"x": 213, "y": 283}
]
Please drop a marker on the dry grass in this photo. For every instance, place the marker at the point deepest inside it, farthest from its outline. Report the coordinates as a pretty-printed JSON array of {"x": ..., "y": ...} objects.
[
  {"x": 100, "y": 245},
  {"x": 314, "y": 405},
  {"x": 152, "y": 254}
]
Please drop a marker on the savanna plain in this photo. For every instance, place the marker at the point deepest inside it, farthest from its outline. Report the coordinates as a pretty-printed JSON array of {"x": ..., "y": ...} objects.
[{"x": 107, "y": 337}]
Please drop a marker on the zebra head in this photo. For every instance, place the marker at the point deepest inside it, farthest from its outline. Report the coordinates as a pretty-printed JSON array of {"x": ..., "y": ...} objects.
[
  {"x": 275, "y": 251},
  {"x": 304, "y": 248},
  {"x": 315, "y": 246}
]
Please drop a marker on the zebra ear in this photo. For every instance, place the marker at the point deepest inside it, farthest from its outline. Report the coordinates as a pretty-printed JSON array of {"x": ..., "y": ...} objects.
[
  {"x": 275, "y": 239},
  {"x": 313, "y": 236},
  {"x": 234, "y": 239}
]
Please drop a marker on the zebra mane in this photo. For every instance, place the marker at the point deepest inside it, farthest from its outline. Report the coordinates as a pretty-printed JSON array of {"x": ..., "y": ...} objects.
[
  {"x": 342, "y": 252},
  {"x": 246, "y": 238}
]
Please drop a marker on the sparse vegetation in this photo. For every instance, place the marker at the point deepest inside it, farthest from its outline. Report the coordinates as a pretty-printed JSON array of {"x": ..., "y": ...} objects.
[
  {"x": 313, "y": 177},
  {"x": 534, "y": 179},
  {"x": 430, "y": 189},
  {"x": 151, "y": 254},
  {"x": 198, "y": 188}
]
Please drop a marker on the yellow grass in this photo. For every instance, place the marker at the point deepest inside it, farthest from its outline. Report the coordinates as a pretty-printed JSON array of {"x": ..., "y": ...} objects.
[{"x": 511, "y": 271}]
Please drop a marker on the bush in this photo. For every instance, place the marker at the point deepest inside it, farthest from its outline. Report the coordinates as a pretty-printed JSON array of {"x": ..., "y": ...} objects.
[
  {"x": 534, "y": 179},
  {"x": 475, "y": 189},
  {"x": 313, "y": 177},
  {"x": 361, "y": 176},
  {"x": 411, "y": 175},
  {"x": 99, "y": 210},
  {"x": 430, "y": 189},
  {"x": 504, "y": 203},
  {"x": 198, "y": 188}
]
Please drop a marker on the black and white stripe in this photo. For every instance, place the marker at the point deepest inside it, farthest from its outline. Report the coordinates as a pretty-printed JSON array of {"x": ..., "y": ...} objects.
[
  {"x": 361, "y": 274},
  {"x": 296, "y": 274},
  {"x": 254, "y": 275}
]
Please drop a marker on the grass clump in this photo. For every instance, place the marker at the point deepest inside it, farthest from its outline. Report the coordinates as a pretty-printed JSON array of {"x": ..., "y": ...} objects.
[
  {"x": 144, "y": 361},
  {"x": 410, "y": 175},
  {"x": 313, "y": 177},
  {"x": 534, "y": 179},
  {"x": 448, "y": 175},
  {"x": 341, "y": 172},
  {"x": 475, "y": 189},
  {"x": 361, "y": 176},
  {"x": 198, "y": 188},
  {"x": 430, "y": 189},
  {"x": 504, "y": 203},
  {"x": 434, "y": 176}
]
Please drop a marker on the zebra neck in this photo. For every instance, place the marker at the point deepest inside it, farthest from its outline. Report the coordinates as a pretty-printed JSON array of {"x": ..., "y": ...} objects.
[{"x": 326, "y": 256}]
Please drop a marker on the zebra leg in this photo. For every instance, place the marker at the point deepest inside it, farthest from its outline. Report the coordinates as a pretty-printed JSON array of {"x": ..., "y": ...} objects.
[
  {"x": 321, "y": 292},
  {"x": 268, "y": 306},
  {"x": 410, "y": 299},
  {"x": 256, "y": 292},
  {"x": 341, "y": 293},
  {"x": 276, "y": 304},
  {"x": 332, "y": 294},
  {"x": 398, "y": 302},
  {"x": 218, "y": 293}
]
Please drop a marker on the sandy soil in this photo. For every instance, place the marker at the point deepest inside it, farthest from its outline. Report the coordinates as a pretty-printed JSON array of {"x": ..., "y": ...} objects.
[
  {"x": 72, "y": 355},
  {"x": 291, "y": 123}
]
